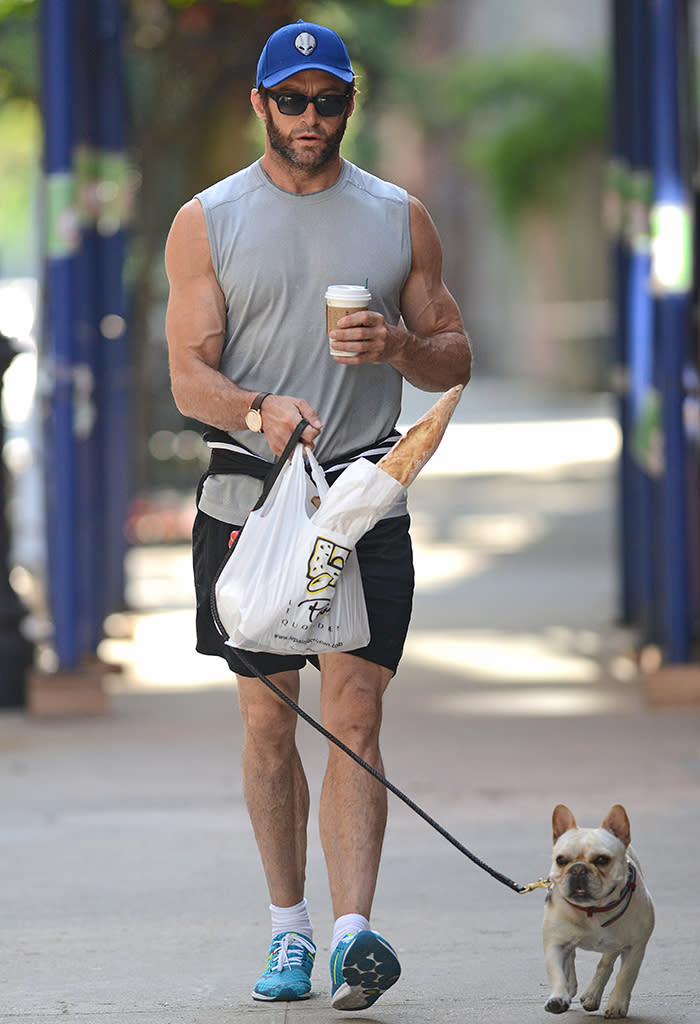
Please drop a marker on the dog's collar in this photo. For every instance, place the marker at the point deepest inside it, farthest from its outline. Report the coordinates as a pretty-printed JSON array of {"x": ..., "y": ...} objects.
[{"x": 623, "y": 902}]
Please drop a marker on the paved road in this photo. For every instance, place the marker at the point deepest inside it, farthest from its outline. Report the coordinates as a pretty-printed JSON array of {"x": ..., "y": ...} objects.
[{"x": 130, "y": 886}]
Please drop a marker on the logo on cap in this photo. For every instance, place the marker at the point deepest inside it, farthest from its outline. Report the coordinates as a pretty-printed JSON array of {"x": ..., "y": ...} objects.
[{"x": 305, "y": 43}]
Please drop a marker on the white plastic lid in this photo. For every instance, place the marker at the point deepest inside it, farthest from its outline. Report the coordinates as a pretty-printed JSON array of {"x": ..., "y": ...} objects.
[{"x": 348, "y": 294}]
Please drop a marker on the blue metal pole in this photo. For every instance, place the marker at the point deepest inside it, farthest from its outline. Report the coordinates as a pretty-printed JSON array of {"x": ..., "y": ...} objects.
[
  {"x": 115, "y": 382},
  {"x": 58, "y": 349},
  {"x": 614, "y": 209},
  {"x": 639, "y": 321},
  {"x": 672, "y": 281},
  {"x": 90, "y": 463}
]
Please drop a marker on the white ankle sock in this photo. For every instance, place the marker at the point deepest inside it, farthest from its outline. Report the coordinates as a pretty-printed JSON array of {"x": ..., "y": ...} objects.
[
  {"x": 292, "y": 919},
  {"x": 348, "y": 923}
]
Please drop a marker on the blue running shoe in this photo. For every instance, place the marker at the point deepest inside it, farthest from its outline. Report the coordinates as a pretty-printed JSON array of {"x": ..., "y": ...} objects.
[
  {"x": 288, "y": 972},
  {"x": 363, "y": 967}
]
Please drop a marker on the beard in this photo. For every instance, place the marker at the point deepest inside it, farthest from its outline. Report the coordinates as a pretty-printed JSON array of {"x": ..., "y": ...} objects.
[{"x": 307, "y": 160}]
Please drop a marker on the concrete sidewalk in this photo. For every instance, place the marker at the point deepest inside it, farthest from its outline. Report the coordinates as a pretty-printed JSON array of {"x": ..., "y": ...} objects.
[{"x": 131, "y": 885}]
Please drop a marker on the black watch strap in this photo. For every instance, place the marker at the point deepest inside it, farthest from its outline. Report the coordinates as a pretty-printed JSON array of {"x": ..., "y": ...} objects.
[{"x": 259, "y": 399}]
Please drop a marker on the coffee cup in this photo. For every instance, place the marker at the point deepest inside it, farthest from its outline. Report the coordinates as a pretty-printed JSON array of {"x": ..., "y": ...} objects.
[{"x": 341, "y": 300}]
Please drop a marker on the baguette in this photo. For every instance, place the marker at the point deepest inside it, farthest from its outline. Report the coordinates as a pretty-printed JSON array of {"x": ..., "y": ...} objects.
[{"x": 408, "y": 456}]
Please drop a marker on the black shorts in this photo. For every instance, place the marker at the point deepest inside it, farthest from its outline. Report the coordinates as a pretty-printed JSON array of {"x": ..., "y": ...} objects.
[{"x": 385, "y": 557}]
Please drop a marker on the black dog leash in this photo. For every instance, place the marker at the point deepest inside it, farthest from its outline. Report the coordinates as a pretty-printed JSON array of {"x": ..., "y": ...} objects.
[{"x": 541, "y": 883}]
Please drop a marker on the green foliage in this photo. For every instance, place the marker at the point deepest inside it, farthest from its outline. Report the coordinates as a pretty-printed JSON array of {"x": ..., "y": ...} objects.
[
  {"x": 520, "y": 122},
  {"x": 16, "y": 7},
  {"x": 19, "y": 58},
  {"x": 20, "y": 131}
]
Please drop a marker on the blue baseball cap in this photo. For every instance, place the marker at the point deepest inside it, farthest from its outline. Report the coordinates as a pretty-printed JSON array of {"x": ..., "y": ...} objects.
[{"x": 299, "y": 47}]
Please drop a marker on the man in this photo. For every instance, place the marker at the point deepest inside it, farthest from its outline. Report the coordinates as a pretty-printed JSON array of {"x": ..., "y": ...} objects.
[{"x": 248, "y": 261}]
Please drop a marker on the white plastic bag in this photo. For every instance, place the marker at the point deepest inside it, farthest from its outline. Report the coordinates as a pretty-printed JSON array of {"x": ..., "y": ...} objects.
[
  {"x": 290, "y": 585},
  {"x": 358, "y": 499}
]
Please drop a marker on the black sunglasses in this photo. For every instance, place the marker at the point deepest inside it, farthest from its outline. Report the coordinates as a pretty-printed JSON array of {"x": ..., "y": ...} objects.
[{"x": 329, "y": 104}]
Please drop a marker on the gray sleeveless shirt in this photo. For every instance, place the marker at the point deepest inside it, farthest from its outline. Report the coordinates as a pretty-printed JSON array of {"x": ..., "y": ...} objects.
[{"x": 274, "y": 253}]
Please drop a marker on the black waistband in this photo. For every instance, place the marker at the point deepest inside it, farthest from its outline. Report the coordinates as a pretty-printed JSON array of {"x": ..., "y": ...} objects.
[{"x": 231, "y": 457}]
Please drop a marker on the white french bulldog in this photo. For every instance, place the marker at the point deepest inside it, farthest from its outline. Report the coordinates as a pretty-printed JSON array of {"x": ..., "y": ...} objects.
[{"x": 597, "y": 901}]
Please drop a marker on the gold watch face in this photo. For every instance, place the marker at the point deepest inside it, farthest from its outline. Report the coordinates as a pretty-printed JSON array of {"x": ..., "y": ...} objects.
[{"x": 253, "y": 420}]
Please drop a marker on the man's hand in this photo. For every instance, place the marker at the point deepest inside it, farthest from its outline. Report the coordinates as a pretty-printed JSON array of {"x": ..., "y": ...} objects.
[
  {"x": 280, "y": 417},
  {"x": 366, "y": 337}
]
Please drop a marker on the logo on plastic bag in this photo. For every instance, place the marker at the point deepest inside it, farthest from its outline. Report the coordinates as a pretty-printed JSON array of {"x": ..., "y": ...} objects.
[{"x": 325, "y": 565}]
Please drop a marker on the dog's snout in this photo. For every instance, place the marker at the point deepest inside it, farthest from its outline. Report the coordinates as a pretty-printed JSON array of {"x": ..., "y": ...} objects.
[{"x": 578, "y": 880}]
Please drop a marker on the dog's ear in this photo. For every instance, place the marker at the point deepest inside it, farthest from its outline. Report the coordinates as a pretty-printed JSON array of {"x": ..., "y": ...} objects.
[
  {"x": 617, "y": 822},
  {"x": 562, "y": 821}
]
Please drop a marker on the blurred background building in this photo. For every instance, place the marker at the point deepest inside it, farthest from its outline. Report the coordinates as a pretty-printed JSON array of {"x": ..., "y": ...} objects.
[{"x": 510, "y": 158}]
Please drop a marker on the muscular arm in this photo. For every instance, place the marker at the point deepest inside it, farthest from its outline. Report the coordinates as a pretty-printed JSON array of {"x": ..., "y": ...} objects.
[
  {"x": 195, "y": 325},
  {"x": 432, "y": 352},
  {"x": 196, "y": 330}
]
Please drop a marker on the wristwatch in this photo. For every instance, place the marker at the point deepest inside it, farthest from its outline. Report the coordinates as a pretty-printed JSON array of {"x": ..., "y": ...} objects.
[{"x": 253, "y": 418}]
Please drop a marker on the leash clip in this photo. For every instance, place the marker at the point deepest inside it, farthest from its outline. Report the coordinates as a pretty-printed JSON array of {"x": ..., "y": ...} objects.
[{"x": 541, "y": 883}]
